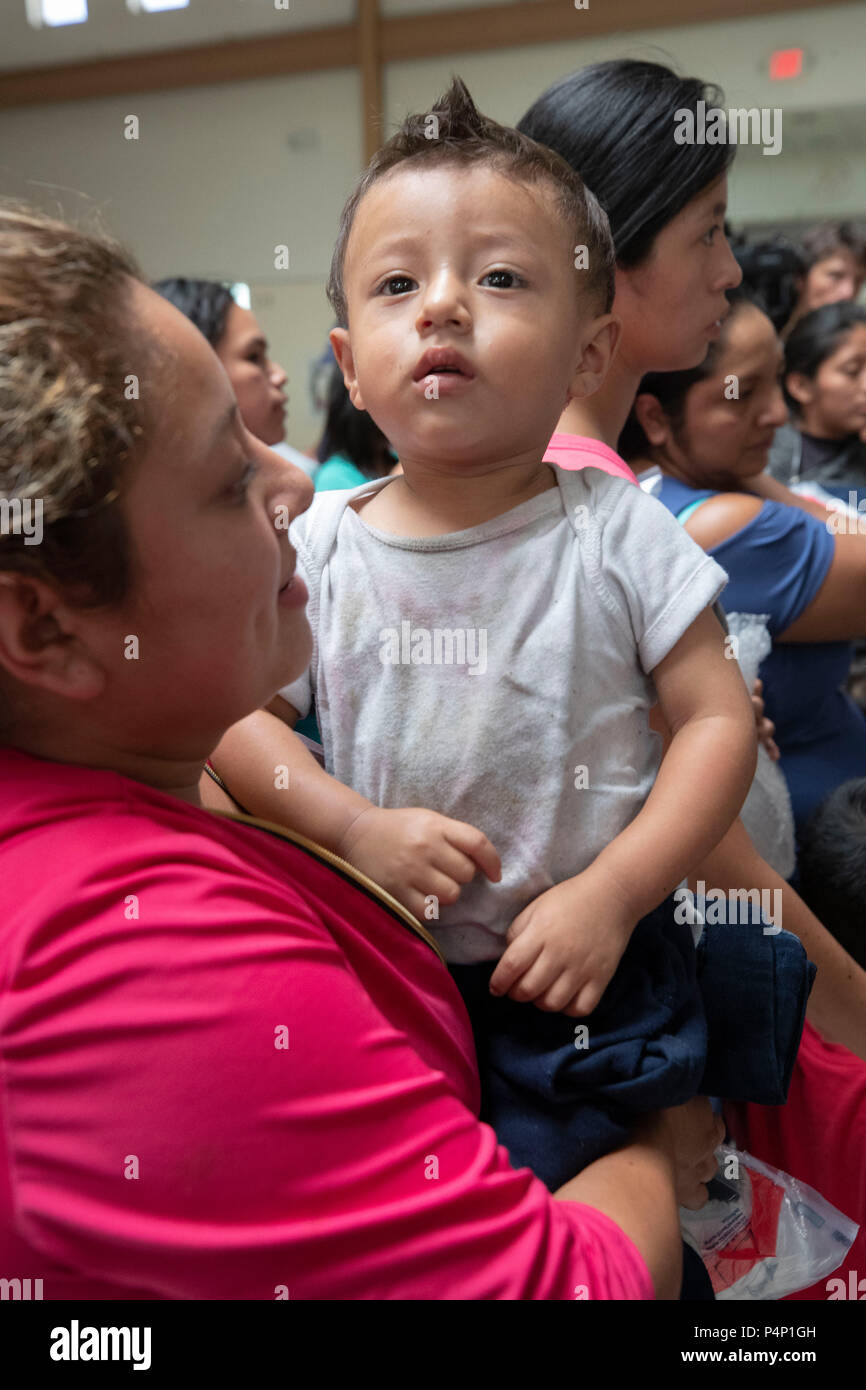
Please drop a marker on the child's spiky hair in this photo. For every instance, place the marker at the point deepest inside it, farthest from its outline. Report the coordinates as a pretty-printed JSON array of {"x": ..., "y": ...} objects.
[{"x": 454, "y": 131}]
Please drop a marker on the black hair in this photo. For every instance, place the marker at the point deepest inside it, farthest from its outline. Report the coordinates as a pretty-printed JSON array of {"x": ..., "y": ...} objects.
[
  {"x": 671, "y": 388},
  {"x": 772, "y": 270},
  {"x": 832, "y": 866},
  {"x": 205, "y": 302},
  {"x": 454, "y": 132},
  {"x": 823, "y": 241},
  {"x": 815, "y": 337},
  {"x": 614, "y": 123},
  {"x": 352, "y": 432}
]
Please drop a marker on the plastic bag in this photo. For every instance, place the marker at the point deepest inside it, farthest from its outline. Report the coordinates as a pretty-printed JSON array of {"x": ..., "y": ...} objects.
[
  {"x": 763, "y": 1234},
  {"x": 767, "y": 813}
]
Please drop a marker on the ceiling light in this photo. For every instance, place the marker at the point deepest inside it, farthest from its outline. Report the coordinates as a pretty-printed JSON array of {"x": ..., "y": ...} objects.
[
  {"x": 56, "y": 12},
  {"x": 154, "y": 6}
]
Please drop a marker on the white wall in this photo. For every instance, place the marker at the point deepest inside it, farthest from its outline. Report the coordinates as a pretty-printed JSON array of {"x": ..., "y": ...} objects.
[{"x": 221, "y": 175}]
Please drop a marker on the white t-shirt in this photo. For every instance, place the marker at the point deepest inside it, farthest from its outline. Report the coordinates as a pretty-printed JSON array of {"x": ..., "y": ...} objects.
[{"x": 500, "y": 674}]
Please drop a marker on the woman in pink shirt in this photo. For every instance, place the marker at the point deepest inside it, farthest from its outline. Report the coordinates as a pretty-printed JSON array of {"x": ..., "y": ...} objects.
[{"x": 230, "y": 1066}]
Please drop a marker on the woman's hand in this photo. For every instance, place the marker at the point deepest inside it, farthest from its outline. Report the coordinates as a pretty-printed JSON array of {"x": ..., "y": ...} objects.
[
  {"x": 418, "y": 855},
  {"x": 696, "y": 1133},
  {"x": 766, "y": 727}
]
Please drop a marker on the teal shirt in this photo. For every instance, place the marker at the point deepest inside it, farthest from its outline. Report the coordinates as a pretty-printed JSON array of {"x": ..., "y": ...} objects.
[{"x": 337, "y": 472}]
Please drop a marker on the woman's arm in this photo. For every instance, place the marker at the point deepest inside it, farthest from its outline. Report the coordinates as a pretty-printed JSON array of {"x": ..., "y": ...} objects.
[
  {"x": 635, "y": 1187},
  {"x": 837, "y": 1004},
  {"x": 642, "y": 1185},
  {"x": 837, "y": 613},
  {"x": 772, "y": 490}
]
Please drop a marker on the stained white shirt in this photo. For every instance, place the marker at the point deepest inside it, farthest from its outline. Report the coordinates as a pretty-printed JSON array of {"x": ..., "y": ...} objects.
[{"x": 501, "y": 674}]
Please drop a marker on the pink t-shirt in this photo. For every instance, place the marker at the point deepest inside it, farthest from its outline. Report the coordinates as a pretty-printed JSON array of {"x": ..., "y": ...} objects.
[
  {"x": 230, "y": 1071},
  {"x": 575, "y": 451}
]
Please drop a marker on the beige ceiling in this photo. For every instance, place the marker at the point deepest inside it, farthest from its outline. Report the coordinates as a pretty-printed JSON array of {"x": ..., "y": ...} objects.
[{"x": 112, "y": 31}]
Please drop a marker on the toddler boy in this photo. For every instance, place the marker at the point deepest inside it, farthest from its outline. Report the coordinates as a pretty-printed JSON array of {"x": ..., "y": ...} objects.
[{"x": 491, "y": 633}]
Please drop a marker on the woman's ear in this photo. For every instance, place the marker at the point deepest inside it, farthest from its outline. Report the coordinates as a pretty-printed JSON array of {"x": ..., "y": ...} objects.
[
  {"x": 342, "y": 346},
  {"x": 801, "y": 387},
  {"x": 596, "y": 357},
  {"x": 36, "y": 646},
  {"x": 652, "y": 419}
]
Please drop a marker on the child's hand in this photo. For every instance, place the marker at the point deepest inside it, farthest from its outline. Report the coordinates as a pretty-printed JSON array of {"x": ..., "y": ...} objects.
[
  {"x": 417, "y": 854},
  {"x": 564, "y": 948}
]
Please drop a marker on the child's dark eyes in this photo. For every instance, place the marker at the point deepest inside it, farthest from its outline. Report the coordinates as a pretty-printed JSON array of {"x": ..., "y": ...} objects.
[
  {"x": 509, "y": 275},
  {"x": 710, "y": 235},
  {"x": 404, "y": 283}
]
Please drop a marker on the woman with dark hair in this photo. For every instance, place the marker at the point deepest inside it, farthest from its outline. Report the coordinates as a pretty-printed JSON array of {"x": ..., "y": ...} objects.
[
  {"x": 666, "y": 203},
  {"x": 709, "y": 431},
  {"x": 238, "y": 341},
  {"x": 352, "y": 449},
  {"x": 833, "y": 256},
  {"x": 614, "y": 122},
  {"x": 825, "y": 387}
]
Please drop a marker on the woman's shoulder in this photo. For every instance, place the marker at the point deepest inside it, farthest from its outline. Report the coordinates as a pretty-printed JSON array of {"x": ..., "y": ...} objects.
[
  {"x": 760, "y": 525},
  {"x": 126, "y": 849},
  {"x": 720, "y": 516}
]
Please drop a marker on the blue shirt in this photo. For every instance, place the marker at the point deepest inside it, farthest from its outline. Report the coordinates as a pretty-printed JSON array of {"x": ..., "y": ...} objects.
[{"x": 776, "y": 564}]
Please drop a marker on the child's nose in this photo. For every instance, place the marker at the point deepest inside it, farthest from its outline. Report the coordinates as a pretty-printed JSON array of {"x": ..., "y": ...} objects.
[{"x": 443, "y": 302}]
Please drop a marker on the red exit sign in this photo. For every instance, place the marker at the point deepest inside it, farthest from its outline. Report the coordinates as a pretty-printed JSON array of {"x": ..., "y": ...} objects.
[{"x": 785, "y": 63}]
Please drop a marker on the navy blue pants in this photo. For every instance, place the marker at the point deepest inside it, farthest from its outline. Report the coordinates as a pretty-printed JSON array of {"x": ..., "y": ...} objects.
[
  {"x": 558, "y": 1098},
  {"x": 725, "y": 1020},
  {"x": 556, "y": 1106},
  {"x": 561, "y": 1092}
]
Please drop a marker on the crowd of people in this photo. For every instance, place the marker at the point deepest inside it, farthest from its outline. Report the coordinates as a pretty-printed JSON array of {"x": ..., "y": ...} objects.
[{"x": 406, "y": 1007}]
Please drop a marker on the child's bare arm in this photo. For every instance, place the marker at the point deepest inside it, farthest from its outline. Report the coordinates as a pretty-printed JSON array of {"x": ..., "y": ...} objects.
[
  {"x": 565, "y": 946},
  {"x": 268, "y": 769},
  {"x": 414, "y": 853},
  {"x": 705, "y": 776}
]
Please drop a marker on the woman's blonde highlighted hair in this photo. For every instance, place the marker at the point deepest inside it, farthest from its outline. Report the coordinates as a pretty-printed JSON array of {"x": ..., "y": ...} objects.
[{"x": 71, "y": 417}]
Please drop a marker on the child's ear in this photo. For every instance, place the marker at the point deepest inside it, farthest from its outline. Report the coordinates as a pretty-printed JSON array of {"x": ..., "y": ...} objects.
[
  {"x": 341, "y": 344},
  {"x": 597, "y": 355},
  {"x": 652, "y": 419}
]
